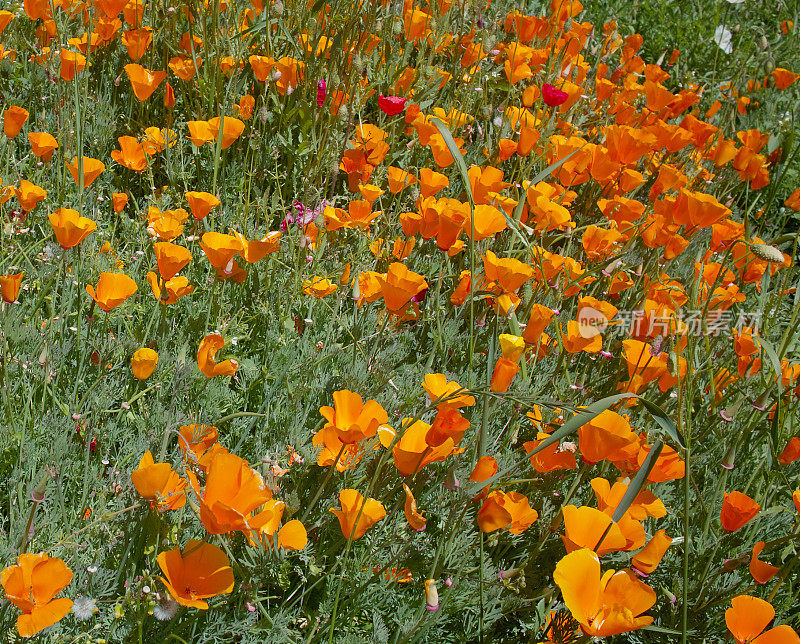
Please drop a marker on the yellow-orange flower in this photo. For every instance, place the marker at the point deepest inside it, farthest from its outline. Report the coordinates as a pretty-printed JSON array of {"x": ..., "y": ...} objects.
[
  {"x": 112, "y": 290},
  {"x": 357, "y": 515},
  {"x": 201, "y": 571},
  {"x": 31, "y": 586},
  {"x": 205, "y": 358}
]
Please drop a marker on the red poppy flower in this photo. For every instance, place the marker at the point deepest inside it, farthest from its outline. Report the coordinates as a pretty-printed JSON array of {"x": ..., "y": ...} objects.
[
  {"x": 391, "y": 105},
  {"x": 553, "y": 96}
]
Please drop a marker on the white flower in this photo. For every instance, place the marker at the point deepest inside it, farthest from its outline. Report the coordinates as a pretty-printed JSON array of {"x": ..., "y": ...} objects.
[
  {"x": 84, "y": 607},
  {"x": 723, "y": 38}
]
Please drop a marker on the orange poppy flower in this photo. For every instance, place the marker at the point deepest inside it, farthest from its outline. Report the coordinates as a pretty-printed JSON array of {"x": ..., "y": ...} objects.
[
  {"x": 584, "y": 526},
  {"x": 130, "y": 154},
  {"x": 72, "y": 63},
  {"x": 647, "y": 559},
  {"x": 195, "y": 440},
  {"x": 233, "y": 492},
  {"x": 351, "y": 419},
  {"x": 488, "y": 222},
  {"x": 784, "y": 77},
  {"x": 159, "y": 483},
  {"x": 450, "y": 393},
  {"x": 413, "y": 516},
  {"x": 42, "y": 145},
  {"x": 9, "y": 286},
  {"x": 171, "y": 258},
  {"x": 607, "y": 436},
  {"x": 399, "y": 286},
  {"x": 201, "y": 571},
  {"x": 201, "y": 203},
  {"x": 448, "y": 424},
  {"x": 292, "y": 536},
  {"x": 143, "y": 81},
  {"x": 399, "y": 179},
  {"x": 137, "y": 42},
  {"x": 119, "y": 200},
  {"x": 352, "y": 505},
  {"x": 551, "y": 458},
  {"x": 112, "y": 290},
  {"x": 411, "y": 453},
  {"x": 5, "y": 18},
  {"x": 319, "y": 287},
  {"x": 205, "y": 358},
  {"x": 509, "y": 510},
  {"x": 92, "y": 168},
  {"x": 255, "y": 250},
  {"x": 220, "y": 249},
  {"x": 232, "y": 129},
  {"x": 13, "y": 120},
  {"x": 737, "y": 510},
  {"x": 184, "y": 67},
  {"x": 170, "y": 291},
  {"x": 31, "y": 585},
  {"x": 603, "y": 605},
  {"x": 29, "y": 195},
  {"x": 749, "y": 616},
  {"x": 143, "y": 363},
  {"x": 791, "y": 452},
  {"x": 762, "y": 571}
]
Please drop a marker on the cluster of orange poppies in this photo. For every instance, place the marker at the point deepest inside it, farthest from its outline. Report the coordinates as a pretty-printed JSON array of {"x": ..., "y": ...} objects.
[{"x": 630, "y": 162}]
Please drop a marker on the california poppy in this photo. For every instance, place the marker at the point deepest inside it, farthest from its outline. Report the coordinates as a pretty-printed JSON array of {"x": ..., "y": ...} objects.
[
  {"x": 357, "y": 515},
  {"x": 231, "y": 130},
  {"x": 351, "y": 418},
  {"x": 509, "y": 510},
  {"x": 159, "y": 483},
  {"x": 29, "y": 194},
  {"x": 747, "y": 619},
  {"x": 761, "y": 570},
  {"x": 171, "y": 258},
  {"x": 584, "y": 527},
  {"x": 143, "y": 363},
  {"x": 72, "y": 63},
  {"x": 220, "y": 249},
  {"x": 42, "y": 144},
  {"x": 205, "y": 358},
  {"x": 201, "y": 203},
  {"x": 413, "y": 516},
  {"x": 143, "y": 81},
  {"x": 201, "y": 571},
  {"x": 91, "y": 169},
  {"x": 737, "y": 510},
  {"x": 130, "y": 154},
  {"x": 169, "y": 291},
  {"x": 31, "y": 585},
  {"x": 112, "y": 290},
  {"x": 10, "y": 286},
  {"x": 400, "y": 285},
  {"x": 13, "y": 120},
  {"x": 603, "y": 606},
  {"x": 647, "y": 559}
]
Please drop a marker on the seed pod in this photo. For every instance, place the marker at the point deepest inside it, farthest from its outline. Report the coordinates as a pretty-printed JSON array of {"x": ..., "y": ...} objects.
[{"x": 767, "y": 253}]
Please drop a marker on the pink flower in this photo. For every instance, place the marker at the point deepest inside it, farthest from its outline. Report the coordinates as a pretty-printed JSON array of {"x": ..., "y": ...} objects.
[
  {"x": 391, "y": 105},
  {"x": 552, "y": 96}
]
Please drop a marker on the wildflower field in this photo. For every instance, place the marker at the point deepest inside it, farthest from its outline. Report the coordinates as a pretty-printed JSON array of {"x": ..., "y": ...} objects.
[{"x": 421, "y": 321}]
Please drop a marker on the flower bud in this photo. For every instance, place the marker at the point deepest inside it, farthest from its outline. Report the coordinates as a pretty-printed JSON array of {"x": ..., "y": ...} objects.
[{"x": 143, "y": 363}]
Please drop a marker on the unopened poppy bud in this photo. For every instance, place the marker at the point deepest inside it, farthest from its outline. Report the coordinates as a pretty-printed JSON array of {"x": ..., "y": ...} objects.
[
  {"x": 143, "y": 363},
  {"x": 730, "y": 411},
  {"x": 762, "y": 402},
  {"x": 730, "y": 456},
  {"x": 511, "y": 573},
  {"x": 431, "y": 595}
]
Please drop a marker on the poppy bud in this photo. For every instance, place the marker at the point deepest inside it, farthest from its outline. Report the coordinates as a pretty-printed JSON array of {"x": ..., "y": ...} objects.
[
  {"x": 762, "y": 402},
  {"x": 143, "y": 363},
  {"x": 169, "y": 97},
  {"x": 431, "y": 595}
]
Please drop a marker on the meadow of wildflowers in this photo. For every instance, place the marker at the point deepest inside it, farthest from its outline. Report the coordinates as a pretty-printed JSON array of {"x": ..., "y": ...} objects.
[{"x": 421, "y": 321}]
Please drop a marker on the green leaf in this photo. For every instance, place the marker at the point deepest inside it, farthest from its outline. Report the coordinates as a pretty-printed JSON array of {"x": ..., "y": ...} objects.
[
  {"x": 769, "y": 349},
  {"x": 638, "y": 481},
  {"x": 661, "y": 417}
]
